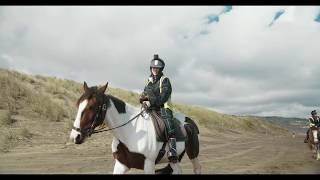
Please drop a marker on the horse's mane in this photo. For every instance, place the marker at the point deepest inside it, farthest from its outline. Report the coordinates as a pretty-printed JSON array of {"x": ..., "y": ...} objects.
[{"x": 118, "y": 103}]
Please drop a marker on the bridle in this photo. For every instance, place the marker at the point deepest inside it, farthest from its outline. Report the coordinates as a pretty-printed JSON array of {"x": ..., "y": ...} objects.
[{"x": 98, "y": 119}]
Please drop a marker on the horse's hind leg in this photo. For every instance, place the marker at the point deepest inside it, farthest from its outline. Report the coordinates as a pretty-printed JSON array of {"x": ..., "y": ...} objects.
[
  {"x": 318, "y": 151},
  {"x": 196, "y": 166},
  {"x": 192, "y": 148}
]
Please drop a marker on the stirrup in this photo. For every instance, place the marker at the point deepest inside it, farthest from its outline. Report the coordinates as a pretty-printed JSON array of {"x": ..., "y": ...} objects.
[{"x": 172, "y": 155}]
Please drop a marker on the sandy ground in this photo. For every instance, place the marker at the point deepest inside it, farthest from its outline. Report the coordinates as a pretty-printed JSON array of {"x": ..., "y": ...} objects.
[{"x": 49, "y": 152}]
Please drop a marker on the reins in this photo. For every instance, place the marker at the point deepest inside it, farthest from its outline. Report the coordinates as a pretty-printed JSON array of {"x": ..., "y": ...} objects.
[{"x": 99, "y": 131}]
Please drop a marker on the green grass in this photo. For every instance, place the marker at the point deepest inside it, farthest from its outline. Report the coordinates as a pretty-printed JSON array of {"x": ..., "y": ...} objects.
[
  {"x": 12, "y": 137},
  {"x": 5, "y": 118},
  {"x": 49, "y": 109},
  {"x": 53, "y": 99},
  {"x": 128, "y": 96},
  {"x": 26, "y": 133}
]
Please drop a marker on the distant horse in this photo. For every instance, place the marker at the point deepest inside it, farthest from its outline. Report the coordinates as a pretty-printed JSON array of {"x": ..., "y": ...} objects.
[
  {"x": 135, "y": 142},
  {"x": 313, "y": 141}
]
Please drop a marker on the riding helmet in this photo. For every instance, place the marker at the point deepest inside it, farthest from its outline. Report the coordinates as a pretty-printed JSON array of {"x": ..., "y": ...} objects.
[{"x": 157, "y": 62}]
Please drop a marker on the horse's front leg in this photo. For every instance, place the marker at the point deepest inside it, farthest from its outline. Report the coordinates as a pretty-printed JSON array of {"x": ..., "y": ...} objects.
[
  {"x": 149, "y": 166},
  {"x": 119, "y": 168}
]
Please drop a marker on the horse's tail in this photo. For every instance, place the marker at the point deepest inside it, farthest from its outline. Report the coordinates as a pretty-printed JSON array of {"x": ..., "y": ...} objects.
[
  {"x": 190, "y": 121},
  {"x": 192, "y": 142}
]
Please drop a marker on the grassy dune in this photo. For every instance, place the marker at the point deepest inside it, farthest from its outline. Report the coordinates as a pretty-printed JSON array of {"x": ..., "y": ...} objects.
[{"x": 25, "y": 98}]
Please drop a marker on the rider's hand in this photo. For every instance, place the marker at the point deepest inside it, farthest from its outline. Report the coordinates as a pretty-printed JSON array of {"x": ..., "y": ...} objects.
[
  {"x": 311, "y": 125},
  {"x": 146, "y": 104},
  {"x": 143, "y": 98}
]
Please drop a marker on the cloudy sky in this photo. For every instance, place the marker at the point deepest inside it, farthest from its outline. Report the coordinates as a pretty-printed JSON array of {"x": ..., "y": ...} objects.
[{"x": 241, "y": 60}]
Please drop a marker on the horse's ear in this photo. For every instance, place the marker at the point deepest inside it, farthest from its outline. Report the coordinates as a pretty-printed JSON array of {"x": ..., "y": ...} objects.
[
  {"x": 85, "y": 86},
  {"x": 103, "y": 88}
]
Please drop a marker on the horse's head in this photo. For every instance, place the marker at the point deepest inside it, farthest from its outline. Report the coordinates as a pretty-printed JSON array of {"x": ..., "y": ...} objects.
[{"x": 91, "y": 106}]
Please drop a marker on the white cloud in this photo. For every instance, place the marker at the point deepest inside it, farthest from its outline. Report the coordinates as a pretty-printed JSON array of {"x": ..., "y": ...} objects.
[
  {"x": 5, "y": 61},
  {"x": 238, "y": 66}
]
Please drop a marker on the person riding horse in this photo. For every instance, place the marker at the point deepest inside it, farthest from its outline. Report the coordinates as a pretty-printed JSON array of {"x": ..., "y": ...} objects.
[
  {"x": 314, "y": 122},
  {"x": 157, "y": 96}
]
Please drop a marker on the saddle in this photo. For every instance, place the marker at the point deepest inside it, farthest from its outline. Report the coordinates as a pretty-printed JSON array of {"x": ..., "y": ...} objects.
[{"x": 161, "y": 130}]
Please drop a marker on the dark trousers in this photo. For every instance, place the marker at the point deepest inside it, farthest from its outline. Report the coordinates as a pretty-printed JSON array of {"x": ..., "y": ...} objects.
[{"x": 168, "y": 119}]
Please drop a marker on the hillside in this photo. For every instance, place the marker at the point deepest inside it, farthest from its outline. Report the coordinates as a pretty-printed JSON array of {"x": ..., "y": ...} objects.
[
  {"x": 296, "y": 125},
  {"x": 25, "y": 99}
]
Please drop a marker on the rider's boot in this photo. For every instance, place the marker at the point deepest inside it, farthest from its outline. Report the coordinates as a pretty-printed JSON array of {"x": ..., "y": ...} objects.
[
  {"x": 168, "y": 119},
  {"x": 172, "y": 153}
]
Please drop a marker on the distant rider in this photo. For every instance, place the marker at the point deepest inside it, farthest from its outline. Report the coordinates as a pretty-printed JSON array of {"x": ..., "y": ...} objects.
[{"x": 314, "y": 121}]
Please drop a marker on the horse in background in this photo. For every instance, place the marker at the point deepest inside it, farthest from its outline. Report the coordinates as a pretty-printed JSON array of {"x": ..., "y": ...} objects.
[
  {"x": 135, "y": 142},
  {"x": 313, "y": 141}
]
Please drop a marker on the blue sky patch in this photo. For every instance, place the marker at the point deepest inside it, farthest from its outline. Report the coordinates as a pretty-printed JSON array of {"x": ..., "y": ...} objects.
[
  {"x": 317, "y": 19},
  {"x": 277, "y": 15},
  {"x": 213, "y": 18},
  {"x": 226, "y": 9}
]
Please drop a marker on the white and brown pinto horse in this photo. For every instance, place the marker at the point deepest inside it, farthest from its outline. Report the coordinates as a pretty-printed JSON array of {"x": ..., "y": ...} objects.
[
  {"x": 134, "y": 142},
  {"x": 313, "y": 141}
]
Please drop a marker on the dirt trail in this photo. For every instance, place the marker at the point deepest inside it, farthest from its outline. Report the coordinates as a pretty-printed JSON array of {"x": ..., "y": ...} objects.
[{"x": 226, "y": 153}]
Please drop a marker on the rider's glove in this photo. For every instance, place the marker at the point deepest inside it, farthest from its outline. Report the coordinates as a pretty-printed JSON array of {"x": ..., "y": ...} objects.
[
  {"x": 142, "y": 98},
  {"x": 146, "y": 104}
]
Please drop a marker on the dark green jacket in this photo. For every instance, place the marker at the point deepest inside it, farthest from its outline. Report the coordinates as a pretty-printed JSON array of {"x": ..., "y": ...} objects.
[
  {"x": 315, "y": 121},
  {"x": 152, "y": 90}
]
